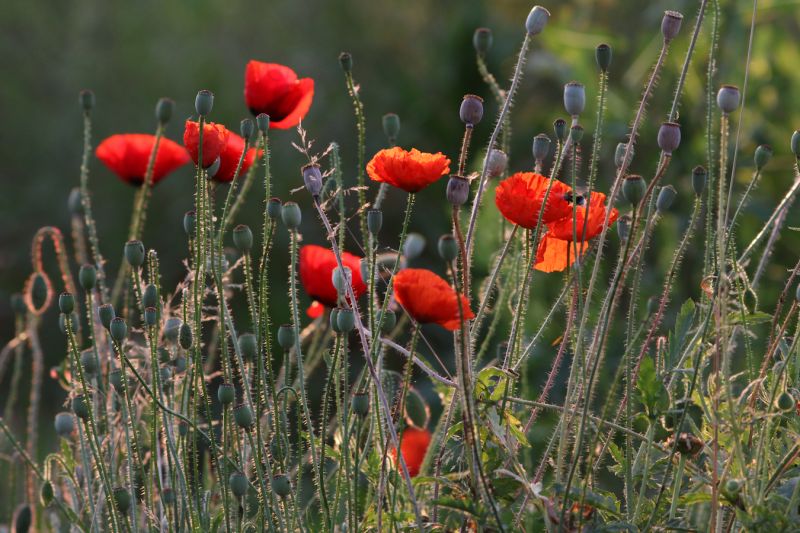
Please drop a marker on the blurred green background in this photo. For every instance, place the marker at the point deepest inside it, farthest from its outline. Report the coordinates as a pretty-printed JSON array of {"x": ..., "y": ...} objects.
[{"x": 414, "y": 58}]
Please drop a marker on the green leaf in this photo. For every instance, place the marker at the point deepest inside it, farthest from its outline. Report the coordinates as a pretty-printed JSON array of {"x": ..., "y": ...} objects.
[
  {"x": 756, "y": 317},
  {"x": 651, "y": 390},
  {"x": 683, "y": 323}
]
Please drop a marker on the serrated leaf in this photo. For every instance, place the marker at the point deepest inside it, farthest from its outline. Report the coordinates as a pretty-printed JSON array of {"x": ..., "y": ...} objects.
[
  {"x": 677, "y": 337},
  {"x": 652, "y": 392}
]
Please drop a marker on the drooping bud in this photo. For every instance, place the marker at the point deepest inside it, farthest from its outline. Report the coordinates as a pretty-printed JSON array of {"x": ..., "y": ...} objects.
[
  {"x": 226, "y": 393},
  {"x": 204, "y": 102},
  {"x": 247, "y": 129},
  {"x": 785, "y": 402},
  {"x": 312, "y": 177},
  {"x": 64, "y": 424},
  {"x": 274, "y": 208},
  {"x": 87, "y": 276},
  {"x": 496, "y": 163},
  {"x": 633, "y": 189},
  {"x": 291, "y": 215},
  {"x": 23, "y": 518},
  {"x": 457, "y": 190},
  {"x": 560, "y": 129},
  {"x": 762, "y": 156},
  {"x": 118, "y": 329},
  {"x": 413, "y": 246},
  {"x": 87, "y": 100},
  {"x": 669, "y": 137},
  {"x": 107, "y": 314},
  {"x": 537, "y": 20},
  {"x": 243, "y": 238},
  {"x": 574, "y": 98},
  {"x": 471, "y": 111},
  {"x": 248, "y": 346},
  {"x": 699, "y": 175},
  {"x": 482, "y": 40},
  {"x": 286, "y": 337},
  {"x": 666, "y": 196},
  {"x": 262, "y": 121},
  {"x": 46, "y": 493},
  {"x": 189, "y": 223},
  {"x": 66, "y": 302},
  {"x": 728, "y": 98},
  {"x": 374, "y": 221},
  {"x": 134, "y": 253},
  {"x": 671, "y": 25},
  {"x": 391, "y": 126},
  {"x": 185, "y": 336},
  {"x": 40, "y": 291},
  {"x": 448, "y": 248},
  {"x": 602, "y": 54},
  {"x": 243, "y": 415},
  {"x": 794, "y": 144},
  {"x": 346, "y": 320},
  {"x": 164, "y": 108}
]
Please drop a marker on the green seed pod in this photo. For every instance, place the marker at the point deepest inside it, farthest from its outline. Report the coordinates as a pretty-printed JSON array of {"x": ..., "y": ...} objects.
[
  {"x": 457, "y": 192},
  {"x": 560, "y": 129},
  {"x": 671, "y": 25},
  {"x": 785, "y": 402},
  {"x": 18, "y": 304},
  {"x": 482, "y": 40},
  {"x": 346, "y": 320},
  {"x": 180, "y": 364},
  {"x": 576, "y": 133},
  {"x": 226, "y": 393},
  {"x": 66, "y": 303},
  {"x": 163, "y": 355},
  {"x": 46, "y": 493},
  {"x": 416, "y": 410},
  {"x": 291, "y": 215},
  {"x": 204, "y": 102},
  {"x": 413, "y": 246},
  {"x": 64, "y": 424},
  {"x": 247, "y": 129},
  {"x": 669, "y": 137},
  {"x": 666, "y": 196},
  {"x": 574, "y": 98},
  {"x": 496, "y": 163},
  {"x": 23, "y": 517},
  {"x": 274, "y": 208},
  {"x": 360, "y": 404},
  {"x": 762, "y": 156},
  {"x": 619, "y": 154},
  {"x": 115, "y": 378},
  {"x": 334, "y": 320},
  {"x": 391, "y": 126},
  {"x": 183, "y": 428},
  {"x": 248, "y": 346},
  {"x": 728, "y": 98},
  {"x": 164, "y": 108},
  {"x": 243, "y": 238},
  {"x": 185, "y": 337},
  {"x": 89, "y": 361},
  {"x": 243, "y": 415},
  {"x": 448, "y": 248},
  {"x": 341, "y": 279},
  {"x": 374, "y": 221},
  {"x": 118, "y": 330},
  {"x": 699, "y": 175},
  {"x": 281, "y": 485},
  {"x": 471, "y": 110},
  {"x": 122, "y": 499},
  {"x": 80, "y": 406},
  {"x": 602, "y": 54},
  {"x": 150, "y": 296},
  {"x": 134, "y": 253},
  {"x": 107, "y": 314},
  {"x": 39, "y": 291},
  {"x": 541, "y": 147},
  {"x": 346, "y": 61},
  {"x": 87, "y": 276},
  {"x": 189, "y": 223},
  {"x": 633, "y": 189},
  {"x": 389, "y": 320},
  {"x": 239, "y": 484},
  {"x": 794, "y": 144},
  {"x": 537, "y": 20},
  {"x": 286, "y": 338},
  {"x": 167, "y": 496}
]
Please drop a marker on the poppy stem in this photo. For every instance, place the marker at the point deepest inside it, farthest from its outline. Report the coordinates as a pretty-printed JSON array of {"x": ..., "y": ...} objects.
[{"x": 361, "y": 126}]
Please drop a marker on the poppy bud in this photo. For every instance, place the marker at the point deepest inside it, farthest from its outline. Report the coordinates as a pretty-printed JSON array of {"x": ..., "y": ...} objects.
[
  {"x": 274, "y": 208},
  {"x": 457, "y": 190},
  {"x": 541, "y": 147},
  {"x": 164, "y": 108},
  {"x": 560, "y": 129},
  {"x": 602, "y": 54},
  {"x": 87, "y": 276},
  {"x": 183, "y": 428},
  {"x": 204, "y": 102},
  {"x": 226, "y": 393},
  {"x": 669, "y": 137},
  {"x": 665, "y": 198},
  {"x": 291, "y": 215},
  {"x": 168, "y": 496},
  {"x": 633, "y": 189},
  {"x": 728, "y": 98},
  {"x": 334, "y": 320},
  {"x": 87, "y": 100},
  {"x": 118, "y": 329},
  {"x": 482, "y": 40},
  {"x": 134, "y": 253},
  {"x": 699, "y": 175},
  {"x": 64, "y": 424},
  {"x": 471, "y": 111},
  {"x": 80, "y": 407},
  {"x": 23, "y": 517},
  {"x": 795, "y": 143},
  {"x": 88, "y": 361},
  {"x": 281, "y": 485},
  {"x": 243, "y": 238},
  {"x": 150, "y": 316},
  {"x": 391, "y": 126},
  {"x": 185, "y": 336},
  {"x": 762, "y": 156},
  {"x": 346, "y": 320},
  {"x": 537, "y": 19},
  {"x": 247, "y": 129},
  {"x": 107, "y": 314},
  {"x": 312, "y": 177},
  {"x": 248, "y": 346},
  {"x": 619, "y": 154},
  {"x": 39, "y": 291},
  {"x": 165, "y": 373},
  {"x": 180, "y": 364},
  {"x": 671, "y": 25},
  {"x": 66, "y": 303},
  {"x": 18, "y": 304},
  {"x": 122, "y": 499},
  {"x": 576, "y": 134},
  {"x": 341, "y": 279},
  {"x": 448, "y": 248},
  {"x": 262, "y": 121},
  {"x": 346, "y": 61},
  {"x": 785, "y": 401},
  {"x": 163, "y": 355},
  {"x": 239, "y": 484},
  {"x": 46, "y": 493},
  {"x": 214, "y": 168},
  {"x": 387, "y": 319},
  {"x": 286, "y": 337},
  {"x": 243, "y": 416},
  {"x": 574, "y": 98},
  {"x": 189, "y": 223},
  {"x": 413, "y": 246},
  {"x": 624, "y": 227},
  {"x": 374, "y": 221},
  {"x": 360, "y": 404},
  {"x": 497, "y": 162},
  {"x": 150, "y": 296}
]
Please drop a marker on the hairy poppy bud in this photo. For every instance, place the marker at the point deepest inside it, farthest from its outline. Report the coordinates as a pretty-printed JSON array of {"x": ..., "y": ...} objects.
[
  {"x": 87, "y": 100},
  {"x": 633, "y": 189},
  {"x": 387, "y": 320},
  {"x": 794, "y": 144},
  {"x": 23, "y": 517},
  {"x": 107, "y": 314},
  {"x": 248, "y": 346},
  {"x": 204, "y": 102},
  {"x": 374, "y": 221},
  {"x": 286, "y": 337},
  {"x": 80, "y": 407},
  {"x": 122, "y": 499},
  {"x": 448, "y": 248},
  {"x": 762, "y": 156},
  {"x": 619, "y": 155},
  {"x": 482, "y": 40},
  {"x": 785, "y": 402},
  {"x": 87, "y": 276},
  {"x": 163, "y": 355},
  {"x": 150, "y": 316},
  {"x": 189, "y": 223},
  {"x": 496, "y": 163},
  {"x": 185, "y": 336},
  {"x": 212, "y": 170},
  {"x": 391, "y": 126},
  {"x": 669, "y": 137},
  {"x": 671, "y": 25},
  {"x": 576, "y": 134},
  {"x": 88, "y": 361},
  {"x": 560, "y": 129},
  {"x": 150, "y": 296},
  {"x": 180, "y": 364},
  {"x": 471, "y": 111},
  {"x": 537, "y": 19},
  {"x": 574, "y": 98},
  {"x": 334, "y": 320},
  {"x": 666, "y": 196},
  {"x": 243, "y": 415},
  {"x": 243, "y": 238},
  {"x": 281, "y": 485},
  {"x": 262, "y": 121},
  {"x": 360, "y": 404},
  {"x": 274, "y": 208},
  {"x": 46, "y": 493},
  {"x": 39, "y": 291},
  {"x": 541, "y": 147},
  {"x": 118, "y": 329},
  {"x": 239, "y": 484},
  {"x": 602, "y": 54},
  {"x": 134, "y": 253},
  {"x": 346, "y": 320},
  {"x": 413, "y": 246},
  {"x": 64, "y": 424},
  {"x": 341, "y": 279},
  {"x": 312, "y": 177},
  {"x": 226, "y": 393},
  {"x": 346, "y": 61},
  {"x": 728, "y": 98},
  {"x": 247, "y": 129},
  {"x": 164, "y": 108},
  {"x": 457, "y": 190},
  {"x": 66, "y": 303},
  {"x": 699, "y": 175},
  {"x": 291, "y": 215}
]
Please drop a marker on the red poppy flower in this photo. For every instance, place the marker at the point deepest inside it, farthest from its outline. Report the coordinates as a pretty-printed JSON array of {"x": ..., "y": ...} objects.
[
  {"x": 413, "y": 445},
  {"x": 127, "y": 155},
  {"x": 316, "y": 268},
  {"x": 429, "y": 298},
  {"x": 215, "y": 138},
  {"x": 275, "y": 90},
  {"x": 411, "y": 171},
  {"x": 229, "y": 158},
  {"x": 519, "y": 198}
]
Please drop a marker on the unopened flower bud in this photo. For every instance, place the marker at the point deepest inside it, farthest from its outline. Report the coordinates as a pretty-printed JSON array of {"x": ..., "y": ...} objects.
[
  {"x": 291, "y": 215},
  {"x": 391, "y": 126},
  {"x": 87, "y": 276},
  {"x": 243, "y": 415},
  {"x": 537, "y": 20},
  {"x": 89, "y": 361},
  {"x": 281, "y": 485},
  {"x": 122, "y": 499},
  {"x": 247, "y": 129},
  {"x": 471, "y": 111},
  {"x": 248, "y": 345},
  {"x": 204, "y": 102},
  {"x": 66, "y": 303},
  {"x": 785, "y": 402},
  {"x": 312, "y": 177},
  {"x": 602, "y": 54},
  {"x": 80, "y": 407},
  {"x": 360, "y": 404},
  {"x": 118, "y": 329},
  {"x": 699, "y": 175},
  {"x": 239, "y": 484},
  {"x": 341, "y": 279},
  {"x": 164, "y": 108},
  {"x": 243, "y": 238},
  {"x": 134, "y": 253},
  {"x": 107, "y": 314},
  {"x": 560, "y": 129},
  {"x": 346, "y": 61},
  {"x": 274, "y": 208},
  {"x": 374, "y": 221},
  {"x": 22, "y": 519},
  {"x": 46, "y": 493},
  {"x": 87, "y": 100},
  {"x": 387, "y": 320},
  {"x": 457, "y": 190},
  {"x": 762, "y": 156},
  {"x": 794, "y": 144},
  {"x": 346, "y": 320},
  {"x": 413, "y": 246},
  {"x": 666, "y": 196},
  {"x": 262, "y": 121},
  {"x": 728, "y": 98},
  {"x": 496, "y": 164},
  {"x": 150, "y": 296},
  {"x": 482, "y": 40},
  {"x": 541, "y": 147},
  {"x": 286, "y": 338},
  {"x": 226, "y": 393},
  {"x": 574, "y": 98},
  {"x": 214, "y": 168},
  {"x": 64, "y": 424},
  {"x": 669, "y": 137},
  {"x": 185, "y": 336},
  {"x": 671, "y": 25},
  {"x": 633, "y": 189},
  {"x": 448, "y": 248}
]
